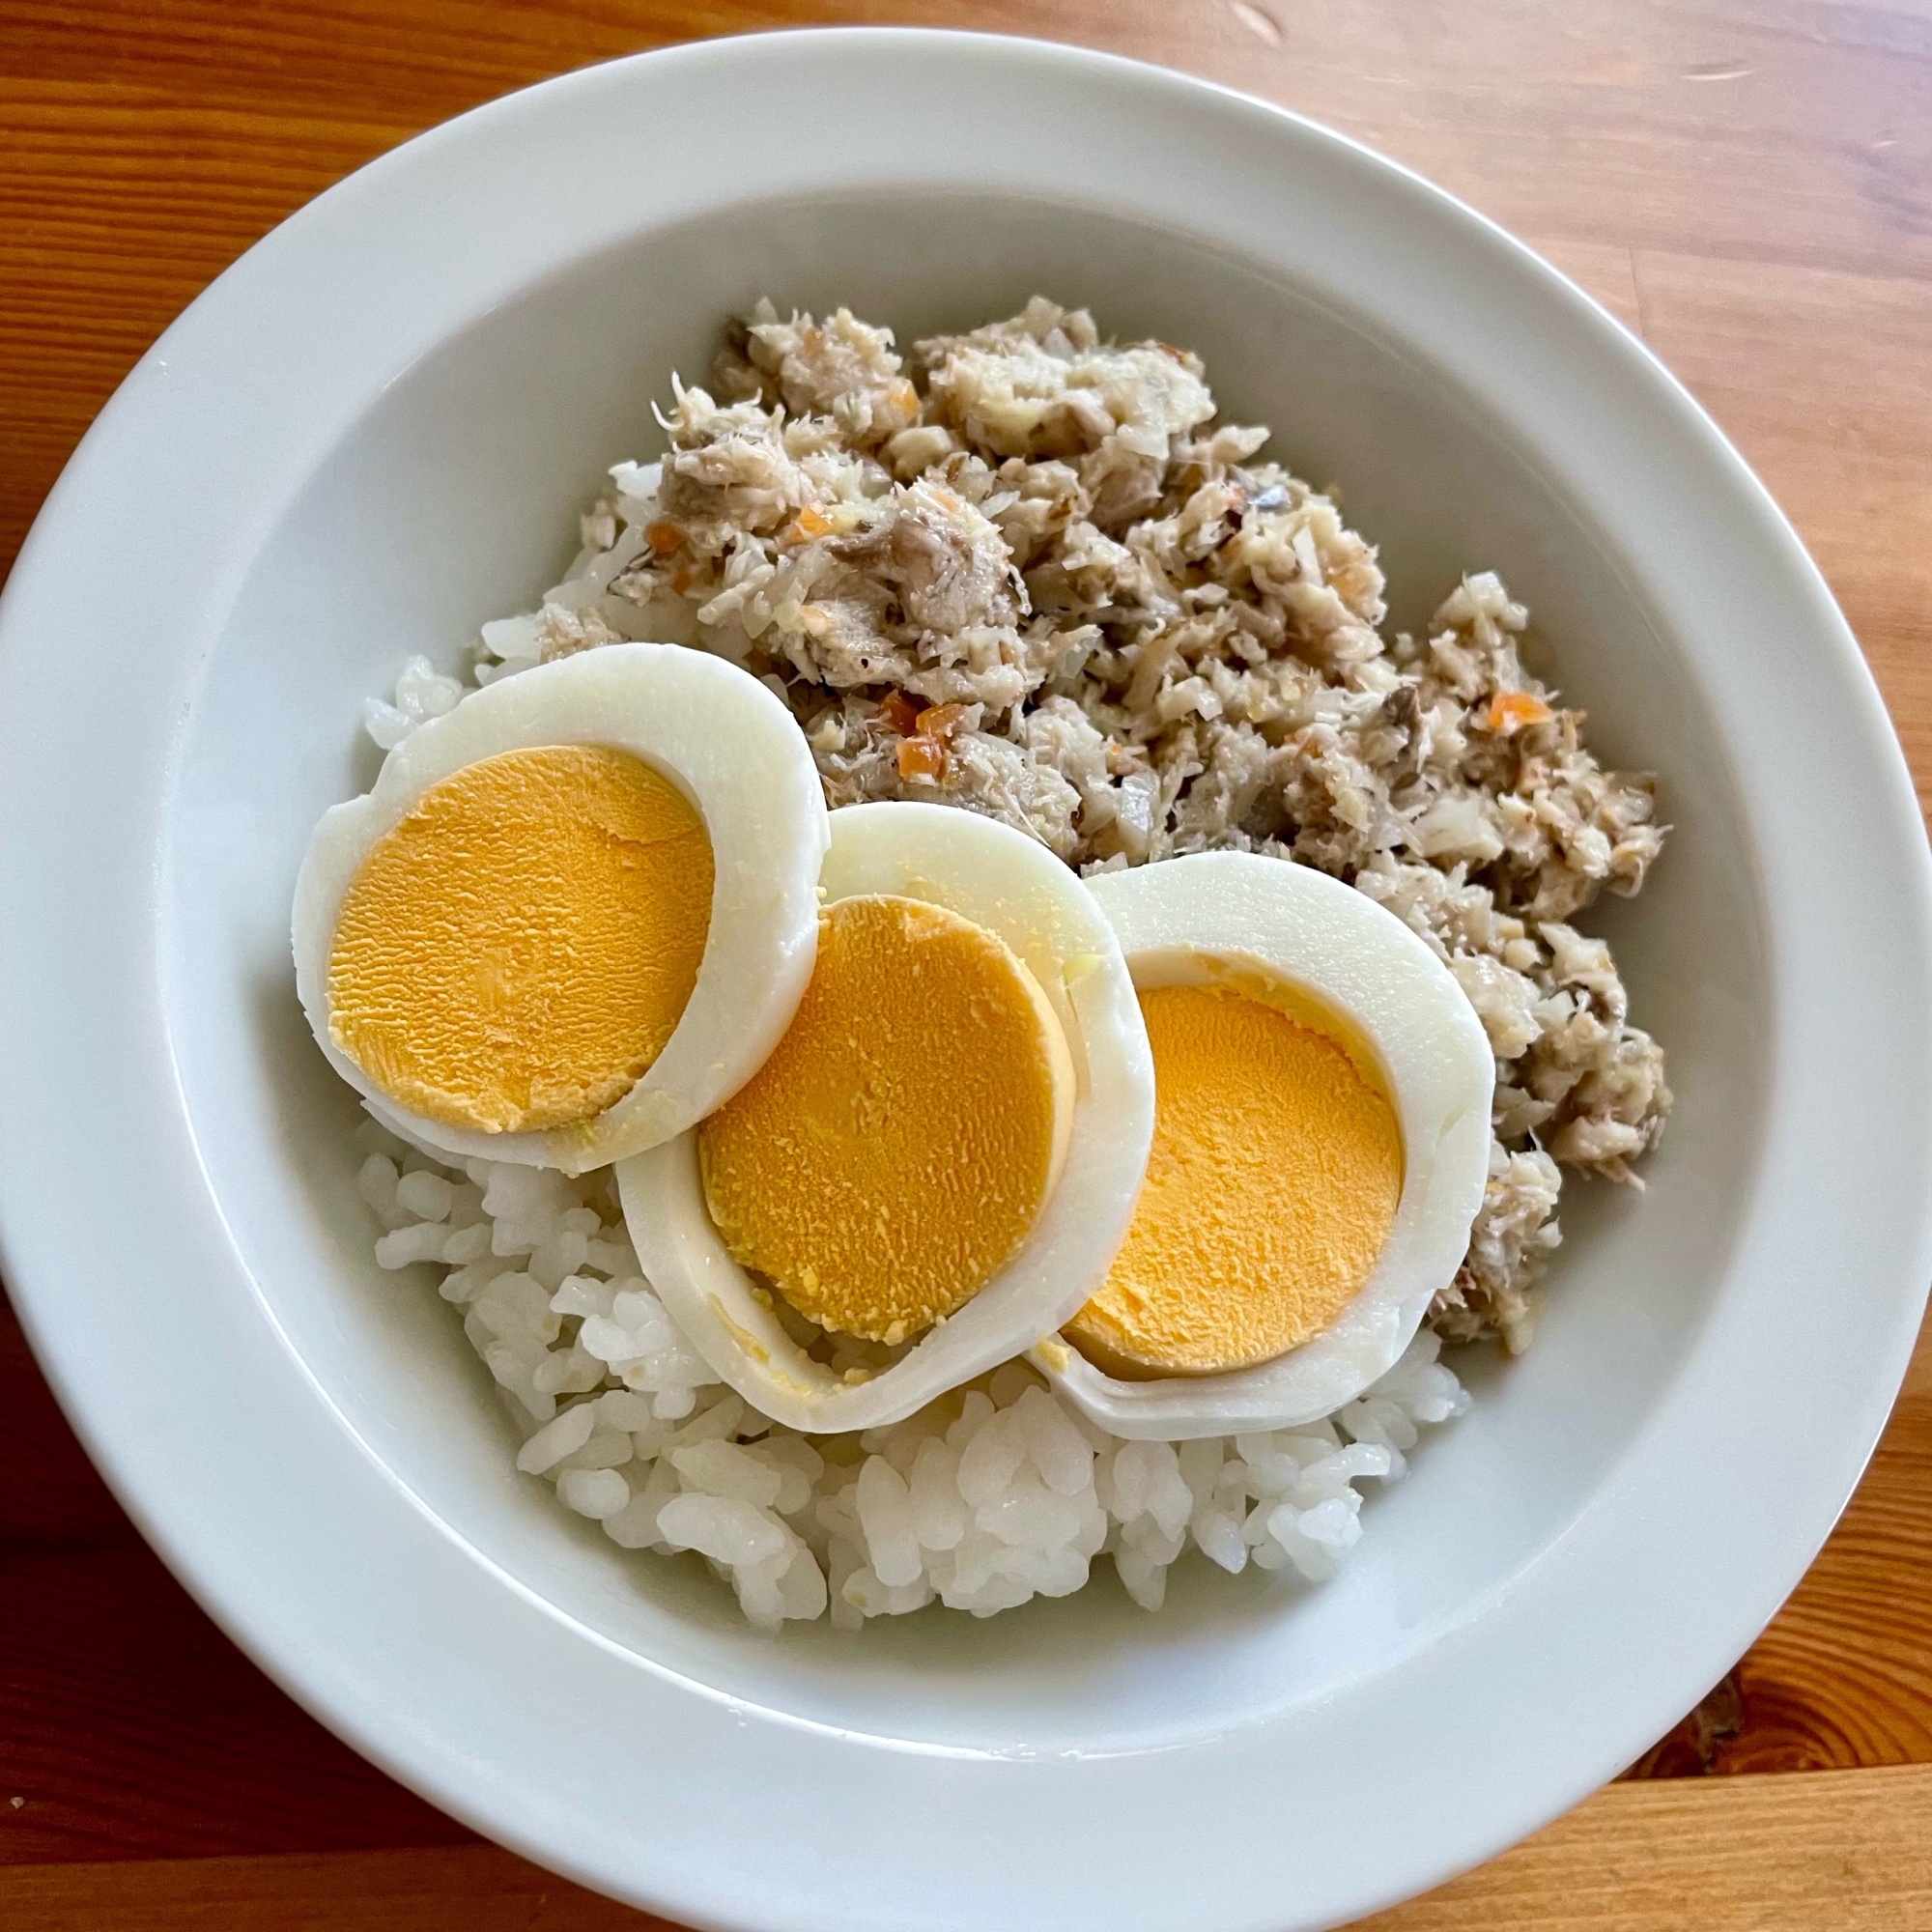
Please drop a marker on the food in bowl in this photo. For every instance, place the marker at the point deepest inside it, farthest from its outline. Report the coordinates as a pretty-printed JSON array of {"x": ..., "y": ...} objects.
[{"x": 1322, "y": 961}]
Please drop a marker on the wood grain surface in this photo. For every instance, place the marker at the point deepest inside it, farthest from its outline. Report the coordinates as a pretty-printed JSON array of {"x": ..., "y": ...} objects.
[
  {"x": 1844, "y": 1854},
  {"x": 1749, "y": 187}
]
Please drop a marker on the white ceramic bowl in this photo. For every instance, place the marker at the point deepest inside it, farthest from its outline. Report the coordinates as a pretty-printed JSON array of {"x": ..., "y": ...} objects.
[{"x": 371, "y": 434}]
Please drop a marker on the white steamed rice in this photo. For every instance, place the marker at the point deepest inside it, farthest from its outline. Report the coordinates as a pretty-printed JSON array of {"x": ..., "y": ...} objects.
[{"x": 991, "y": 1496}]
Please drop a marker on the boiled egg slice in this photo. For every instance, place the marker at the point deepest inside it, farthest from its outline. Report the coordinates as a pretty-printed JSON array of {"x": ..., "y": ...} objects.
[
  {"x": 574, "y": 914},
  {"x": 1320, "y": 1147},
  {"x": 935, "y": 1165}
]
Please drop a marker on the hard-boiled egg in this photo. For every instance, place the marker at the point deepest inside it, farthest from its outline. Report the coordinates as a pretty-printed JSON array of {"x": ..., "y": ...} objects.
[
  {"x": 934, "y": 1168},
  {"x": 1320, "y": 1147},
  {"x": 574, "y": 914}
]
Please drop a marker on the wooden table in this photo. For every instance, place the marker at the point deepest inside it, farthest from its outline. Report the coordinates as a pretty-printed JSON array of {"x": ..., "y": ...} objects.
[{"x": 1749, "y": 187}]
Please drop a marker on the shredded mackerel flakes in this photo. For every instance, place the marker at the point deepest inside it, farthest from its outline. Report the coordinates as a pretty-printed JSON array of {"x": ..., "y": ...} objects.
[{"x": 1028, "y": 574}]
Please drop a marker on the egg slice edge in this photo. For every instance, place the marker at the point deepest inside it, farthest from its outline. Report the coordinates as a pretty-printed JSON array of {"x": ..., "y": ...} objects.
[
  {"x": 997, "y": 877},
  {"x": 1225, "y": 917},
  {"x": 663, "y": 703}
]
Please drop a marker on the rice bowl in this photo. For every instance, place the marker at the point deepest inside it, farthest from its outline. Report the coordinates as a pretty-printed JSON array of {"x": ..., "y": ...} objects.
[{"x": 319, "y": 532}]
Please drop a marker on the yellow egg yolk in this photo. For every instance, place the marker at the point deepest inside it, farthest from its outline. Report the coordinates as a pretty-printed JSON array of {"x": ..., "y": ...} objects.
[
  {"x": 1273, "y": 1177},
  {"x": 515, "y": 952},
  {"x": 896, "y": 1150}
]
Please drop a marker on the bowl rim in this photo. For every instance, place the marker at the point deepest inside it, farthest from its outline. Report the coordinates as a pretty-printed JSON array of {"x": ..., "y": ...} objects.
[{"x": 351, "y": 290}]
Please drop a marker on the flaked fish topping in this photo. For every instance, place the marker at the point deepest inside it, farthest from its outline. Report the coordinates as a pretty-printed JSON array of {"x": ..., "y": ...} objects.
[{"x": 1026, "y": 571}]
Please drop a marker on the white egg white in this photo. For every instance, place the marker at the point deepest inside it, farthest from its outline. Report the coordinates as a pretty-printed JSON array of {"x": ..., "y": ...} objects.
[
  {"x": 738, "y": 756},
  {"x": 1007, "y": 883},
  {"x": 1268, "y": 927}
]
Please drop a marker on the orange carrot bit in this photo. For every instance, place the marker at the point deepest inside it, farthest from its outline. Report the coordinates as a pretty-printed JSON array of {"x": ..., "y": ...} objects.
[
  {"x": 681, "y": 582},
  {"x": 939, "y": 721},
  {"x": 663, "y": 538},
  {"x": 1513, "y": 710},
  {"x": 810, "y": 523},
  {"x": 902, "y": 713},
  {"x": 921, "y": 758}
]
